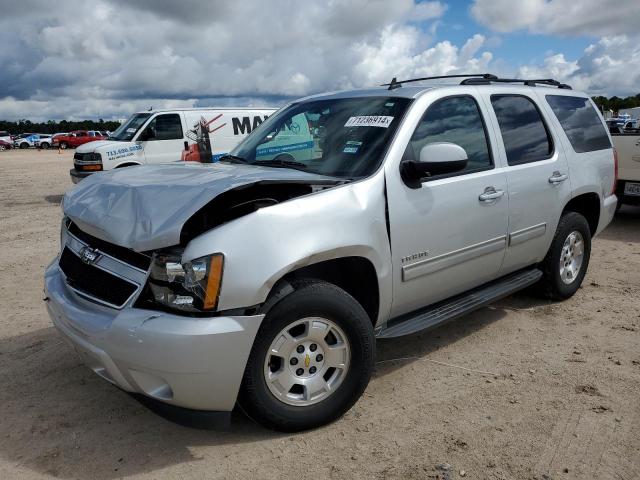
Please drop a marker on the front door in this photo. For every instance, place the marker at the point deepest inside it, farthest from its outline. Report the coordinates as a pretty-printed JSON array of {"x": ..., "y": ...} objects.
[
  {"x": 162, "y": 139},
  {"x": 449, "y": 235}
]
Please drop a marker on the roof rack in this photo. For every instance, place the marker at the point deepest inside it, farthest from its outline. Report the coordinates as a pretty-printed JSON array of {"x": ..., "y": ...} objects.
[
  {"x": 480, "y": 79},
  {"x": 529, "y": 82},
  {"x": 398, "y": 83}
]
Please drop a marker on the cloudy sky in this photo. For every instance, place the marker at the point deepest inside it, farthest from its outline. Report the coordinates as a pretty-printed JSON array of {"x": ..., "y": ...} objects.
[{"x": 108, "y": 58}]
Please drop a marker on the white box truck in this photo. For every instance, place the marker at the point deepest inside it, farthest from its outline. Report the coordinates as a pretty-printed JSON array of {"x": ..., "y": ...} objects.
[{"x": 161, "y": 136}]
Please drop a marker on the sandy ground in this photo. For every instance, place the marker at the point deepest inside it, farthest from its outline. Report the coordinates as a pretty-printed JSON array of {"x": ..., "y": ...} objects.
[{"x": 562, "y": 399}]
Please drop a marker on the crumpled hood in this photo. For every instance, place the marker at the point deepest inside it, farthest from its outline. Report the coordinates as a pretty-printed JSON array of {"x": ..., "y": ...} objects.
[{"x": 145, "y": 207}]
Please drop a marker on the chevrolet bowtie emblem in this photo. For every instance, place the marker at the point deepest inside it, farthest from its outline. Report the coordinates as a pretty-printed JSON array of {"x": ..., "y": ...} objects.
[
  {"x": 307, "y": 360},
  {"x": 88, "y": 255}
]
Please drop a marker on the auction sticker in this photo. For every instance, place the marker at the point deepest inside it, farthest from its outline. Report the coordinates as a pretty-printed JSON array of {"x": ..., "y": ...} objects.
[{"x": 369, "y": 121}]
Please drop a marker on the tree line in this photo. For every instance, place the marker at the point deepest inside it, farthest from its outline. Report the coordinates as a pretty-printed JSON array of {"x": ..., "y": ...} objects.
[
  {"x": 616, "y": 103},
  {"x": 54, "y": 126}
]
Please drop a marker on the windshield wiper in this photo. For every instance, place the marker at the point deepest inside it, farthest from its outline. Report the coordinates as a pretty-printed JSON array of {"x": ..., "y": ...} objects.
[
  {"x": 281, "y": 164},
  {"x": 232, "y": 158}
]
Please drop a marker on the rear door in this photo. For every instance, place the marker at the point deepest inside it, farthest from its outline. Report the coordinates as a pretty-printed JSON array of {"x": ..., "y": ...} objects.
[{"x": 537, "y": 175}]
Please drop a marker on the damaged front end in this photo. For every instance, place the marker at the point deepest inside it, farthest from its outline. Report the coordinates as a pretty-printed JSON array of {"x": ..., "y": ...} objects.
[
  {"x": 147, "y": 208},
  {"x": 146, "y": 218}
]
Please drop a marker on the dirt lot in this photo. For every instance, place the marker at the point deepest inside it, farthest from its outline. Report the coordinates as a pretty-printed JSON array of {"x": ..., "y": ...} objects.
[{"x": 561, "y": 399}]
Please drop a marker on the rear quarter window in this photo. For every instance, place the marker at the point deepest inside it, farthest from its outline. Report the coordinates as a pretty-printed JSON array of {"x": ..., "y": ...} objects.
[{"x": 580, "y": 122}]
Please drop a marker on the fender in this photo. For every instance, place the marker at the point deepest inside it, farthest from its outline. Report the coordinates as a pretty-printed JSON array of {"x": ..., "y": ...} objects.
[{"x": 289, "y": 241}]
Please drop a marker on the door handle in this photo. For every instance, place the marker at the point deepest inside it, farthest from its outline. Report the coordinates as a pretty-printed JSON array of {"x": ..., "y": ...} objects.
[
  {"x": 558, "y": 177},
  {"x": 490, "y": 194}
]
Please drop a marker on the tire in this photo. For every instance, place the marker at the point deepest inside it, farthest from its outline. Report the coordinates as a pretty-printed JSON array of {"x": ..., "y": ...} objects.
[
  {"x": 554, "y": 283},
  {"x": 290, "y": 410},
  {"x": 2, "y": 148},
  {"x": 45, "y": 145},
  {"x": 63, "y": 145},
  {"x": 24, "y": 145}
]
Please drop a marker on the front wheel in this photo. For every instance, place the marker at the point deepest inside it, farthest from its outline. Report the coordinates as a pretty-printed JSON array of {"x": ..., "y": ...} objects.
[
  {"x": 45, "y": 145},
  {"x": 63, "y": 145},
  {"x": 311, "y": 361},
  {"x": 566, "y": 263},
  {"x": 24, "y": 145}
]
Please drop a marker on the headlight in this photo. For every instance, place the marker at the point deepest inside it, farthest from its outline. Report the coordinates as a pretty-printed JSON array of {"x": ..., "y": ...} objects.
[{"x": 193, "y": 286}]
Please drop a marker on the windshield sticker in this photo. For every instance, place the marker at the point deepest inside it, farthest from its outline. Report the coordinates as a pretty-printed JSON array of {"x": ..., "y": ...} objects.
[
  {"x": 369, "y": 121},
  {"x": 131, "y": 130},
  {"x": 351, "y": 147},
  {"x": 261, "y": 152}
]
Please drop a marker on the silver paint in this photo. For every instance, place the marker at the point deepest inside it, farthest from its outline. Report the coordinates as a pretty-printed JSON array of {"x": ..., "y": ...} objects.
[{"x": 459, "y": 236}]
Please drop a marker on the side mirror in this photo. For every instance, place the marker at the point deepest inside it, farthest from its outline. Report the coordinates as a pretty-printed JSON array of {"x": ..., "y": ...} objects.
[{"x": 435, "y": 159}]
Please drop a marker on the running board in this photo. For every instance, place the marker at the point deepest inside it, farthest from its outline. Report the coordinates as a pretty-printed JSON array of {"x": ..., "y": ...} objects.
[{"x": 459, "y": 305}]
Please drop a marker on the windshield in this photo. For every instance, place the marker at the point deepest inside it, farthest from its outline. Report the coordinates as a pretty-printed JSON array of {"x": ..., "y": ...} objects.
[
  {"x": 128, "y": 129},
  {"x": 338, "y": 137}
]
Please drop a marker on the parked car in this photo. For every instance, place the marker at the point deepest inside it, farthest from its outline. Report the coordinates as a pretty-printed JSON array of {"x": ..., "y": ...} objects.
[
  {"x": 628, "y": 150},
  {"x": 632, "y": 126},
  {"x": 77, "y": 138},
  {"x": 196, "y": 134},
  {"x": 43, "y": 141},
  {"x": 4, "y": 145},
  {"x": 6, "y": 136},
  {"x": 27, "y": 140},
  {"x": 266, "y": 280}
]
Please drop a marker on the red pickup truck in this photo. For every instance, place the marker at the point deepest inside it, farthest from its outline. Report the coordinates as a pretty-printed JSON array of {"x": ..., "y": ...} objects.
[{"x": 77, "y": 138}]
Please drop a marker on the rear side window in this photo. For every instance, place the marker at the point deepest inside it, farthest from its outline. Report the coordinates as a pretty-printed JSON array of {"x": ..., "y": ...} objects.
[
  {"x": 455, "y": 120},
  {"x": 580, "y": 122},
  {"x": 525, "y": 136}
]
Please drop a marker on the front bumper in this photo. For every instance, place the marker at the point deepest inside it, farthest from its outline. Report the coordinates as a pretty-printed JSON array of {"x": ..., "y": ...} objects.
[
  {"x": 77, "y": 175},
  {"x": 195, "y": 363}
]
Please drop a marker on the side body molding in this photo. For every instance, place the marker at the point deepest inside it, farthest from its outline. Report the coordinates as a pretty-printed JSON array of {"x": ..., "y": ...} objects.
[{"x": 432, "y": 265}]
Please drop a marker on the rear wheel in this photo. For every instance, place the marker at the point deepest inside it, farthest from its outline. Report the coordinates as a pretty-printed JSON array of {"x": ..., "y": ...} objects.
[
  {"x": 311, "y": 360},
  {"x": 63, "y": 145},
  {"x": 2, "y": 148},
  {"x": 45, "y": 145},
  {"x": 24, "y": 145},
  {"x": 566, "y": 263}
]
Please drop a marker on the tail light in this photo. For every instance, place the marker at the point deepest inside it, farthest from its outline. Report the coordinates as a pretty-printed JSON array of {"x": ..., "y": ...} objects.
[{"x": 615, "y": 171}]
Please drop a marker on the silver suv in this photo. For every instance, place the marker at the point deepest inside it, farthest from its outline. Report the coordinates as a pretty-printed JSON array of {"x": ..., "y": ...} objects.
[{"x": 266, "y": 278}]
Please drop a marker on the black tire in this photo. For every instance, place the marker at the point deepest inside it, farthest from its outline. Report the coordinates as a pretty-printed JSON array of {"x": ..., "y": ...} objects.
[
  {"x": 551, "y": 284},
  {"x": 45, "y": 145},
  {"x": 63, "y": 145},
  {"x": 24, "y": 145},
  {"x": 312, "y": 299}
]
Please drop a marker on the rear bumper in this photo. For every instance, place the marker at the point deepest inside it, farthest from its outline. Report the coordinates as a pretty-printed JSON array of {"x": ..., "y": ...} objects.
[
  {"x": 627, "y": 199},
  {"x": 607, "y": 212},
  {"x": 196, "y": 363}
]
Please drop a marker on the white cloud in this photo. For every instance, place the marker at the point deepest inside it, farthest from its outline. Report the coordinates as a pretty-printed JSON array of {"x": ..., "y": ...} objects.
[
  {"x": 561, "y": 17},
  {"x": 107, "y": 58},
  {"x": 110, "y": 57},
  {"x": 609, "y": 66}
]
